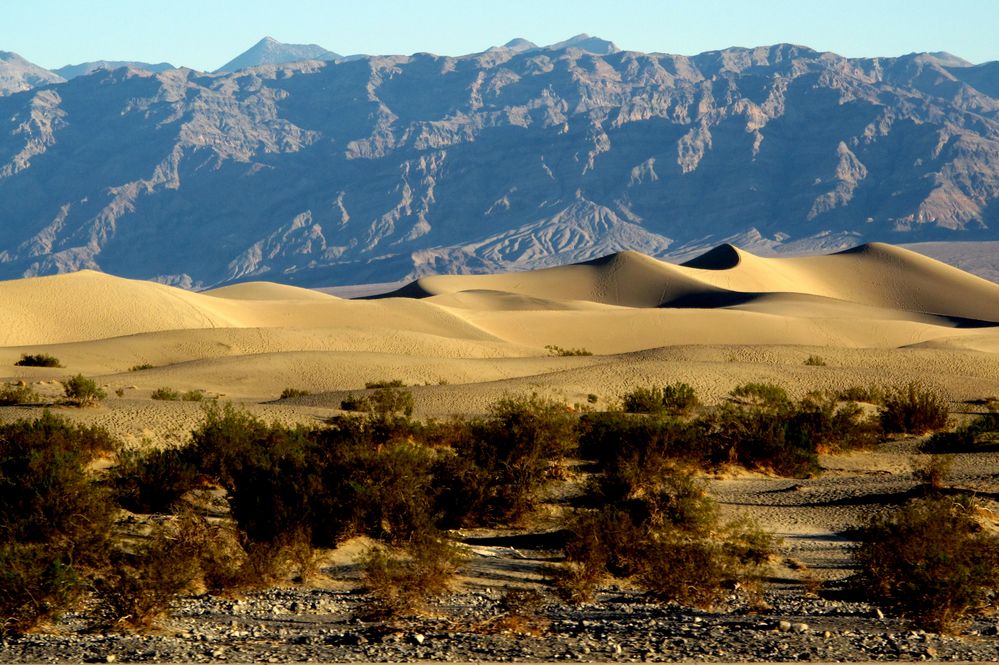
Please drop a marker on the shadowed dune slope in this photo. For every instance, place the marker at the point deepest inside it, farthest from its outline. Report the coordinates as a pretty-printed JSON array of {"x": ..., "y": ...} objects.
[{"x": 874, "y": 275}]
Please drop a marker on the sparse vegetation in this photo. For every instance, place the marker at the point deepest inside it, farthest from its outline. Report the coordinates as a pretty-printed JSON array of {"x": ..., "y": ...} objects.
[
  {"x": 139, "y": 368},
  {"x": 38, "y": 360},
  {"x": 82, "y": 391},
  {"x": 815, "y": 361},
  {"x": 289, "y": 393},
  {"x": 913, "y": 409},
  {"x": 930, "y": 561},
  {"x": 981, "y": 433},
  {"x": 674, "y": 398},
  {"x": 13, "y": 394},
  {"x": 555, "y": 350},
  {"x": 394, "y": 383},
  {"x": 172, "y": 395},
  {"x": 766, "y": 395},
  {"x": 400, "y": 580},
  {"x": 386, "y": 400}
]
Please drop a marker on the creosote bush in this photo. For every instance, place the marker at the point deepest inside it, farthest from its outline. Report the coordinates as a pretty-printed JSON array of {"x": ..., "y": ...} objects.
[
  {"x": 13, "y": 394},
  {"x": 289, "y": 393},
  {"x": 141, "y": 367},
  {"x": 171, "y": 395},
  {"x": 38, "y": 360},
  {"x": 563, "y": 352},
  {"x": 913, "y": 409},
  {"x": 55, "y": 520},
  {"x": 83, "y": 391},
  {"x": 674, "y": 398},
  {"x": 400, "y": 580},
  {"x": 930, "y": 561},
  {"x": 815, "y": 361}
]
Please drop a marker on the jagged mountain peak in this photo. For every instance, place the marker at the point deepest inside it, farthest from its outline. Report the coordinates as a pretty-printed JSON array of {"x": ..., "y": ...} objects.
[{"x": 269, "y": 51}]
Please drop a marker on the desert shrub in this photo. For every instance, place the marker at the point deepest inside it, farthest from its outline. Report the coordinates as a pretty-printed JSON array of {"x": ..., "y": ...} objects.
[
  {"x": 55, "y": 519},
  {"x": 46, "y": 493},
  {"x": 933, "y": 472},
  {"x": 139, "y": 368},
  {"x": 401, "y": 580},
  {"x": 37, "y": 583},
  {"x": 664, "y": 535},
  {"x": 766, "y": 395},
  {"x": 559, "y": 351},
  {"x": 675, "y": 398},
  {"x": 289, "y": 393},
  {"x": 356, "y": 403},
  {"x": 913, "y": 409},
  {"x": 679, "y": 397},
  {"x": 393, "y": 383},
  {"x": 501, "y": 462},
  {"x": 83, "y": 391},
  {"x": 643, "y": 400},
  {"x": 815, "y": 361},
  {"x": 12, "y": 394},
  {"x": 38, "y": 360},
  {"x": 930, "y": 561},
  {"x": 982, "y": 433},
  {"x": 391, "y": 400},
  {"x": 165, "y": 394},
  {"x": 171, "y": 395},
  {"x": 869, "y": 394},
  {"x": 153, "y": 481}
]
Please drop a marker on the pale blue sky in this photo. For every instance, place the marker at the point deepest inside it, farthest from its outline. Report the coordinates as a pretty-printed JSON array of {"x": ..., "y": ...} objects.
[{"x": 204, "y": 34}]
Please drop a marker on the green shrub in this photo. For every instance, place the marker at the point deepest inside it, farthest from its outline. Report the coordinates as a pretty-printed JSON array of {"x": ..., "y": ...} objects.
[
  {"x": 46, "y": 493},
  {"x": 501, "y": 462},
  {"x": 913, "y": 409},
  {"x": 165, "y": 394},
  {"x": 767, "y": 395},
  {"x": 643, "y": 400},
  {"x": 37, "y": 583},
  {"x": 982, "y": 433},
  {"x": 394, "y": 383},
  {"x": 930, "y": 561},
  {"x": 870, "y": 394},
  {"x": 664, "y": 534},
  {"x": 559, "y": 351},
  {"x": 356, "y": 403},
  {"x": 83, "y": 391},
  {"x": 401, "y": 580},
  {"x": 153, "y": 481},
  {"x": 289, "y": 393},
  {"x": 38, "y": 360},
  {"x": 388, "y": 400},
  {"x": 13, "y": 394},
  {"x": 676, "y": 398}
]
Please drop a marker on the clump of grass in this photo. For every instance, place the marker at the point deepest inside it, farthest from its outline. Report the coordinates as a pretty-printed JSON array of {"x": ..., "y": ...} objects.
[
  {"x": 38, "y": 360},
  {"x": 141, "y": 367},
  {"x": 289, "y": 393},
  {"x": 555, "y": 350},
  {"x": 913, "y": 409},
  {"x": 929, "y": 561},
  {"x": 815, "y": 361}
]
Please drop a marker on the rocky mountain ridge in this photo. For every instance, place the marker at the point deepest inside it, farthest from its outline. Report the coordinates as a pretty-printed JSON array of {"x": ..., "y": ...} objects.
[{"x": 384, "y": 168}]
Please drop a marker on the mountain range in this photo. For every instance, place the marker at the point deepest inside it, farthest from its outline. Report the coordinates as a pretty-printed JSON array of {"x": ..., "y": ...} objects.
[{"x": 329, "y": 170}]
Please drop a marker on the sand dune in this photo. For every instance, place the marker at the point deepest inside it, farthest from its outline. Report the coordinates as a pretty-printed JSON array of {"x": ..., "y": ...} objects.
[{"x": 468, "y": 339}]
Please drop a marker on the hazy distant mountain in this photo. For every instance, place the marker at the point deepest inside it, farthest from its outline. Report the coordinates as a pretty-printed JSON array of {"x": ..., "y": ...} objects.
[
  {"x": 17, "y": 74},
  {"x": 269, "y": 51},
  {"x": 389, "y": 167},
  {"x": 72, "y": 71}
]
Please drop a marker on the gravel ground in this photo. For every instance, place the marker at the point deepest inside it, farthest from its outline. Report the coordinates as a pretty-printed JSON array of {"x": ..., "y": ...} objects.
[{"x": 299, "y": 625}]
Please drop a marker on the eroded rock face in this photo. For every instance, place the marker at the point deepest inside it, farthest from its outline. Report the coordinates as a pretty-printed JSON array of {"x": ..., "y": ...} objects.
[{"x": 389, "y": 167}]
